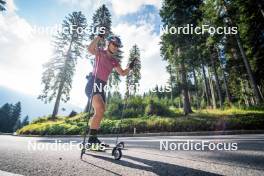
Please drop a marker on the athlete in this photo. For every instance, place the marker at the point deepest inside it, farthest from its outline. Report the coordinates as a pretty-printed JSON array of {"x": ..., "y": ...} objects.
[{"x": 105, "y": 62}]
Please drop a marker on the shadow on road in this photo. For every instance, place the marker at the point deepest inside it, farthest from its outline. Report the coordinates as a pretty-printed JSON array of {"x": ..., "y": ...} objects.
[
  {"x": 107, "y": 170},
  {"x": 245, "y": 160},
  {"x": 156, "y": 167}
]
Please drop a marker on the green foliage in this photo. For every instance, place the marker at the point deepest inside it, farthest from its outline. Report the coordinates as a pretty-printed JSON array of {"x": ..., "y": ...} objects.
[
  {"x": 198, "y": 65},
  {"x": 226, "y": 58},
  {"x": 114, "y": 106},
  {"x": 2, "y": 5},
  {"x": 137, "y": 106},
  {"x": 158, "y": 108},
  {"x": 59, "y": 70},
  {"x": 134, "y": 76},
  {"x": 101, "y": 18},
  {"x": 10, "y": 117},
  {"x": 204, "y": 120}
]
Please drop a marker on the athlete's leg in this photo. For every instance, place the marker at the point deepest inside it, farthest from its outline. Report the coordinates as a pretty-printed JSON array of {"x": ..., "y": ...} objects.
[{"x": 99, "y": 109}]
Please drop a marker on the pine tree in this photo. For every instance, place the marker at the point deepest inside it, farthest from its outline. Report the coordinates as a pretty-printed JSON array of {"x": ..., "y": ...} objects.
[
  {"x": 134, "y": 76},
  {"x": 253, "y": 83},
  {"x": 5, "y": 116},
  {"x": 16, "y": 115},
  {"x": 2, "y": 5},
  {"x": 25, "y": 121},
  {"x": 18, "y": 125},
  {"x": 180, "y": 13},
  {"x": 9, "y": 116},
  {"x": 58, "y": 73},
  {"x": 242, "y": 49},
  {"x": 102, "y": 19}
]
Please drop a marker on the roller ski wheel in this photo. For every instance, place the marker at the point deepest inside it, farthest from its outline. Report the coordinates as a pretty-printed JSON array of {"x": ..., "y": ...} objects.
[{"x": 117, "y": 153}]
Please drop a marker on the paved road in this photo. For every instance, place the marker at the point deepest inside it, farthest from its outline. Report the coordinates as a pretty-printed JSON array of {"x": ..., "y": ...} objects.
[{"x": 142, "y": 156}]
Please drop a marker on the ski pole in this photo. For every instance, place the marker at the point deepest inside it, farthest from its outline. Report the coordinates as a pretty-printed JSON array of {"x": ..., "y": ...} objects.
[{"x": 95, "y": 67}]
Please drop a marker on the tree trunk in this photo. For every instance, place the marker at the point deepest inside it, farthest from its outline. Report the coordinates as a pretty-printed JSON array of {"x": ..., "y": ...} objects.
[
  {"x": 229, "y": 100},
  {"x": 186, "y": 101},
  {"x": 212, "y": 90},
  {"x": 249, "y": 71},
  {"x": 244, "y": 92},
  {"x": 62, "y": 81},
  {"x": 196, "y": 89},
  {"x": 259, "y": 88},
  {"x": 228, "y": 96},
  {"x": 234, "y": 53},
  {"x": 245, "y": 60},
  {"x": 179, "y": 103},
  {"x": 218, "y": 87},
  {"x": 206, "y": 87},
  {"x": 261, "y": 10},
  {"x": 57, "y": 102},
  {"x": 171, "y": 93}
]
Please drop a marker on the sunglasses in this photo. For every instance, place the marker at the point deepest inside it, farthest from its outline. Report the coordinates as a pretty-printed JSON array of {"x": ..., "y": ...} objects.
[{"x": 114, "y": 44}]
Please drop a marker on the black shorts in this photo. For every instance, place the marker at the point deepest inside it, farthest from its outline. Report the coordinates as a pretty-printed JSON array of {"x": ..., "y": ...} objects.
[{"x": 92, "y": 89}]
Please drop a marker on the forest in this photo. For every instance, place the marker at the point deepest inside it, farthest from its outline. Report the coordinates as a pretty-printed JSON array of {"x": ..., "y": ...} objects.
[{"x": 211, "y": 74}]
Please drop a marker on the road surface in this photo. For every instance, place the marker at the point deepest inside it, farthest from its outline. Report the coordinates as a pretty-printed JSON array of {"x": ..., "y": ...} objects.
[{"x": 142, "y": 156}]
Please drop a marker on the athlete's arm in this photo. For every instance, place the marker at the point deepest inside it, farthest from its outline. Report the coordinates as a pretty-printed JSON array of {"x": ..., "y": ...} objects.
[
  {"x": 121, "y": 71},
  {"x": 92, "y": 47}
]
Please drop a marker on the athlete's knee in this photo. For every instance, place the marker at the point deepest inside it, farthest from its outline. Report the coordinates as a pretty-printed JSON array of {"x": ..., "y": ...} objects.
[{"x": 100, "y": 111}]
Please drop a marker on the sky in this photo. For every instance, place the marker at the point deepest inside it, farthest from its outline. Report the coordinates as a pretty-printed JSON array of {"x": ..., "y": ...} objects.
[{"x": 24, "y": 50}]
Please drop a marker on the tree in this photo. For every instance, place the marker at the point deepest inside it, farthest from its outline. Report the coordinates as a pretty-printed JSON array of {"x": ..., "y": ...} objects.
[
  {"x": 213, "y": 58},
  {"x": 180, "y": 13},
  {"x": 184, "y": 85},
  {"x": 222, "y": 60},
  {"x": 102, "y": 20},
  {"x": 18, "y": 125},
  {"x": 243, "y": 15},
  {"x": 241, "y": 49},
  {"x": 5, "y": 117},
  {"x": 2, "y": 5},
  {"x": 58, "y": 73},
  {"x": 171, "y": 80},
  {"x": 9, "y": 116},
  {"x": 21, "y": 123},
  {"x": 134, "y": 76},
  {"x": 25, "y": 121},
  {"x": 16, "y": 114}
]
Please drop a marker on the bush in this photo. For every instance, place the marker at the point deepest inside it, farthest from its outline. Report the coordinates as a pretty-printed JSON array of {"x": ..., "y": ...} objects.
[
  {"x": 114, "y": 110},
  {"x": 204, "y": 120},
  {"x": 132, "y": 107},
  {"x": 159, "y": 109},
  {"x": 40, "y": 120}
]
